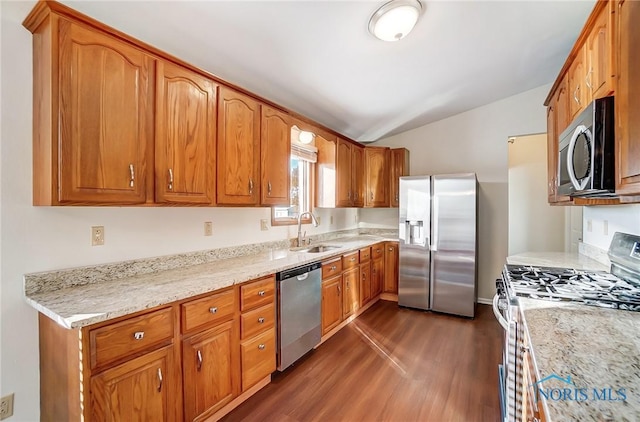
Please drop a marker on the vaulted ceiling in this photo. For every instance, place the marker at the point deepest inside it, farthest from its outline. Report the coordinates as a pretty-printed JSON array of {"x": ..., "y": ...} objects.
[{"x": 317, "y": 57}]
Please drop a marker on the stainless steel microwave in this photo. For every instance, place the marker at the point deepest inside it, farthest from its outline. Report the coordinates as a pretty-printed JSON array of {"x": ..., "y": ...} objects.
[{"x": 586, "y": 160}]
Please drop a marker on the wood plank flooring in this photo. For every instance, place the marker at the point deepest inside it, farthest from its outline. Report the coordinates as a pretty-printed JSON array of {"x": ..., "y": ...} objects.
[{"x": 391, "y": 364}]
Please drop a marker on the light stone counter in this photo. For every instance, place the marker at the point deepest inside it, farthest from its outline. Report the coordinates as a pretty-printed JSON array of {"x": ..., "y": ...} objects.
[
  {"x": 598, "y": 348},
  {"x": 83, "y": 296}
]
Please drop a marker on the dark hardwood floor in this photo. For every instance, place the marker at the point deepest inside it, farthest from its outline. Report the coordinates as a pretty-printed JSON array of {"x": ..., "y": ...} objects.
[{"x": 391, "y": 364}]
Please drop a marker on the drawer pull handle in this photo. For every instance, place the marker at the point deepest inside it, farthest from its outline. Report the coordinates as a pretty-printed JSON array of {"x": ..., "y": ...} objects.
[
  {"x": 353, "y": 259},
  {"x": 390, "y": 249},
  {"x": 261, "y": 293},
  {"x": 261, "y": 320},
  {"x": 199, "y": 358},
  {"x": 213, "y": 310},
  {"x": 347, "y": 286},
  {"x": 132, "y": 175},
  {"x": 261, "y": 346},
  {"x": 159, "y": 380},
  {"x": 170, "y": 179},
  {"x": 138, "y": 335},
  {"x": 333, "y": 268}
]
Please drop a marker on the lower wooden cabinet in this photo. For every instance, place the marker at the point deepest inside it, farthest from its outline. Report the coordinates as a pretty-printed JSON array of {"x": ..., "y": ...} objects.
[
  {"x": 365, "y": 283},
  {"x": 141, "y": 389},
  {"x": 350, "y": 296},
  {"x": 210, "y": 370},
  {"x": 391, "y": 268},
  {"x": 377, "y": 276},
  {"x": 331, "y": 303}
]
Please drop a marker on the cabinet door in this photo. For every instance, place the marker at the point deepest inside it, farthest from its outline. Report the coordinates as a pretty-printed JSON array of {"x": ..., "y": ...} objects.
[
  {"x": 210, "y": 370},
  {"x": 377, "y": 276},
  {"x": 344, "y": 194},
  {"x": 275, "y": 152},
  {"x": 391, "y": 268},
  {"x": 577, "y": 87},
  {"x": 552, "y": 152},
  {"x": 185, "y": 135},
  {"x": 350, "y": 298},
  {"x": 399, "y": 168},
  {"x": 365, "y": 283},
  {"x": 600, "y": 70},
  {"x": 105, "y": 113},
  {"x": 377, "y": 172},
  {"x": 142, "y": 389},
  {"x": 331, "y": 303},
  {"x": 562, "y": 107},
  {"x": 357, "y": 178},
  {"x": 238, "y": 148},
  {"x": 628, "y": 99}
]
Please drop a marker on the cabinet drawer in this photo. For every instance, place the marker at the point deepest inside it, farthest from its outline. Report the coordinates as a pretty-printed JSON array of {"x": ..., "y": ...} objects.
[
  {"x": 350, "y": 260},
  {"x": 331, "y": 268},
  {"x": 211, "y": 309},
  {"x": 256, "y": 321},
  {"x": 365, "y": 254},
  {"x": 257, "y": 293},
  {"x": 258, "y": 358},
  {"x": 128, "y": 337},
  {"x": 377, "y": 250}
]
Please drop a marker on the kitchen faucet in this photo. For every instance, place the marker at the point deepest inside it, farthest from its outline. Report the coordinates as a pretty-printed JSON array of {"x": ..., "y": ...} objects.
[{"x": 313, "y": 221}]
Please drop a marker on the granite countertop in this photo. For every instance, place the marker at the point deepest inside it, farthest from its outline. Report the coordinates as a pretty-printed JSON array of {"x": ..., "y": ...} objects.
[
  {"x": 74, "y": 306},
  {"x": 598, "y": 348}
]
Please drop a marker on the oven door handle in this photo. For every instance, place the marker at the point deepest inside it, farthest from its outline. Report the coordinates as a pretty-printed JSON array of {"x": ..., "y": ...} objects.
[
  {"x": 572, "y": 144},
  {"x": 496, "y": 311}
]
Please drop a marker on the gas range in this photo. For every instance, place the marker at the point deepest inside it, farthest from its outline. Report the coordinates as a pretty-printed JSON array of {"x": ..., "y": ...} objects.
[{"x": 597, "y": 288}]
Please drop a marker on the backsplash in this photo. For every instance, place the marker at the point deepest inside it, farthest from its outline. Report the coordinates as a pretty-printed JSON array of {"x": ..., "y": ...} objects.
[
  {"x": 60, "y": 279},
  {"x": 599, "y": 223}
]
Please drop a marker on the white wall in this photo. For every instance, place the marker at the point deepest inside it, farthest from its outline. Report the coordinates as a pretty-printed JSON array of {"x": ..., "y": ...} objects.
[
  {"x": 475, "y": 141},
  {"x": 45, "y": 238},
  {"x": 618, "y": 218},
  {"x": 534, "y": 225}
]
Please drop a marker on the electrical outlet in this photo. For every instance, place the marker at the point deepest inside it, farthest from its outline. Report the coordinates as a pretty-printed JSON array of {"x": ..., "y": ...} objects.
[
  {"x": 605, "y": 227},
  {"x": 264, "y": 225},
  {"x": 6, "y": 406},
  {"x": 331, "y": 220},
  {"x": 208, "y": 228},
  {"x": 97, "y": 235},
  {"x": 589, "y": 225},
  {"x": 319, "y": 220}
]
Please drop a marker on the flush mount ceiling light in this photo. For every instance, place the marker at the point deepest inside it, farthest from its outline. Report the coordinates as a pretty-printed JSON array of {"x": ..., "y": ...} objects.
[
  {"x": 306, "y": 137},
  {"x": 395, "y": 19}
]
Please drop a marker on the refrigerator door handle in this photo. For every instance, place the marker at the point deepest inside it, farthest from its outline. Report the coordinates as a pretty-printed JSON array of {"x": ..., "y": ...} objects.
[{"x": 434, "y": 246}]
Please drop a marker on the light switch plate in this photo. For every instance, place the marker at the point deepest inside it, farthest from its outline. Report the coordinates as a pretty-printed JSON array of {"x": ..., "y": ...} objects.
[
  {"x": 264, "y": 226},
  {"x": 605, "y": 227},
  {"x": 208, "y": 228}
]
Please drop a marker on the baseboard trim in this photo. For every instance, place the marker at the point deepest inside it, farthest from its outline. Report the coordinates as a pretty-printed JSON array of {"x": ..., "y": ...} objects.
[
  {"x": 392, "y": 297},
  {"x": 485, "y": 301}
]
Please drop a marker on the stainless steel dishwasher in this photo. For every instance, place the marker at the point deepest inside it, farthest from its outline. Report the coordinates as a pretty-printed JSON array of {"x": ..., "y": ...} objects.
[{"x": 299, "y": 295}]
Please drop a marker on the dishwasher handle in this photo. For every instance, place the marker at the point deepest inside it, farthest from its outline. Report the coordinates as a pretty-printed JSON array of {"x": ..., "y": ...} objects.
[{"x": 302, "y": 276}]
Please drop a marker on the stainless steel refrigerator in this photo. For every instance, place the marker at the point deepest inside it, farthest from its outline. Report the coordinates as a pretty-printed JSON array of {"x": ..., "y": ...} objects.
[{"x": 438, "y": 243}]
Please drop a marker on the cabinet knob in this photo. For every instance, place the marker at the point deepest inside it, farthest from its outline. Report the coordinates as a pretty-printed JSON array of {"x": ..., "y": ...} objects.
[
  {"x": 261, "y": 320},
  {"x": 390, "y": 249},
  {"x": 352, "y": 259},
  {"x": 170, "y": 179},
  {"x": 132, "y": 175},
  {"x": 333, "y": 268},
  {"x": 138, "y": 335},
  {"x": 213, "y": 310},
  {"x": 261, "y": 293},
  {"x": 261, "y": 346}
]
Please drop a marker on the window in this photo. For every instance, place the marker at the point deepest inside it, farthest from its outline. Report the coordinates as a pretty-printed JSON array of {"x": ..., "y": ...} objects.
[{"x": 301, "y": 164}]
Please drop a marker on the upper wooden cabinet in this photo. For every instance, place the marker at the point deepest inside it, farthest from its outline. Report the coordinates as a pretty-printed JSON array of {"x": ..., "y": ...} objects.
[
  {"x": 628, "y": 99},
  {"x": 185, "y": 136},
  {"x": 344, "y": 188},
  {"x": 377, "y": 176},
  {"x": 339, "y": 173},
  {"x": 557, "y": 121},
  {"x": 600, "y": 60},
  {"x": 92, "y": 115},
  {"x": 577, "y": 83},
  {"x": 357, "y": 175},
  {"x": 275, "y": 153},
  {"x": 238, "y": 148},
  {"x": 399, "y": 168}
]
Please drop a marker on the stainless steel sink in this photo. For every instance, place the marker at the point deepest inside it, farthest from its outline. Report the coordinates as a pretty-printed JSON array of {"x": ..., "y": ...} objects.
[{"x": 318, "y": 249}]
